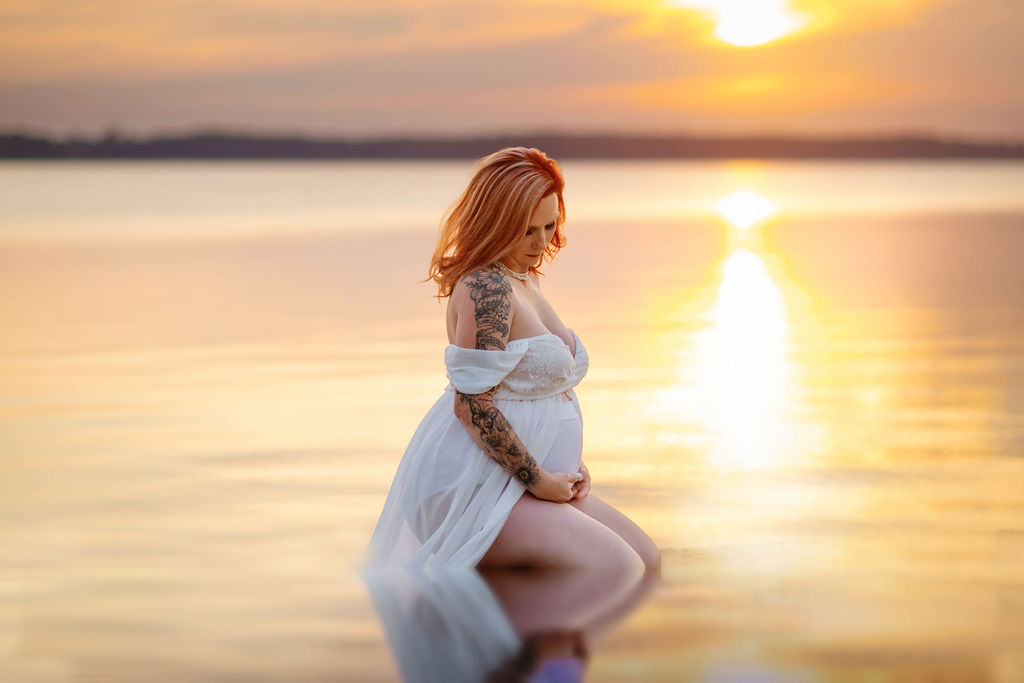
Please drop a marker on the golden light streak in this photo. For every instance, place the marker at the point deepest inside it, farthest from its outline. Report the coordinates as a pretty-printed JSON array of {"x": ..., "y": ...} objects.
[
  {"x": 735, "y": 381},
  {"x": 794, "y": 90},
  {"x": 742, "y": 363}
]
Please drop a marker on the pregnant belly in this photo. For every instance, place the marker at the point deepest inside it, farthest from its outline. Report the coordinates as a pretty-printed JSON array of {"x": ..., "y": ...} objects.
[{"x": 567, "y": 448}]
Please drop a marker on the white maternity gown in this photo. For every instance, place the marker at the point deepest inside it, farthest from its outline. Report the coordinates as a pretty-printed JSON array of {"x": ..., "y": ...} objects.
[{"x": 449, "y": 499}]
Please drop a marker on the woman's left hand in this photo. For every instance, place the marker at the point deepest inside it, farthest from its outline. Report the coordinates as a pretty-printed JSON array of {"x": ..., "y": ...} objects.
[{"x": 582, "y": 488}]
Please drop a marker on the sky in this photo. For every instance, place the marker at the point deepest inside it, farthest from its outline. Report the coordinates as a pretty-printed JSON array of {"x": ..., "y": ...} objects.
[{"x": 452, "y": 68}]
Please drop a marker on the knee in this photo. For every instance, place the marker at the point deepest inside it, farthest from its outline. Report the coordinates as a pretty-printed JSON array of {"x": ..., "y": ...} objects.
[
  {"x": 623, "y": 558},
  {"x": 650, "y": 555},
  {"x": 627, "y": 555}
]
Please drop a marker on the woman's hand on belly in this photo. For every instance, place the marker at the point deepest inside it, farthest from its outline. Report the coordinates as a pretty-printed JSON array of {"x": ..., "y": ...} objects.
[
  {"x": 555, "y": 486},
  {"x": 582, "y": 487}
]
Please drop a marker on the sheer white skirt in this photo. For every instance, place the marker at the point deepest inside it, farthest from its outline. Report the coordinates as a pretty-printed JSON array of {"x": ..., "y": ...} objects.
[{"x": 449, "y": 499}]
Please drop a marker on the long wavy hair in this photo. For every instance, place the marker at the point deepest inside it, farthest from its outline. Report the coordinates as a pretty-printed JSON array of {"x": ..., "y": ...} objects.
[{"x": 494, "y": 212}]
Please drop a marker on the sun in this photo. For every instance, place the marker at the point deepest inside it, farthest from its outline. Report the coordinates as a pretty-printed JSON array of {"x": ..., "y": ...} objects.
[{"x": 745, "y": 23}]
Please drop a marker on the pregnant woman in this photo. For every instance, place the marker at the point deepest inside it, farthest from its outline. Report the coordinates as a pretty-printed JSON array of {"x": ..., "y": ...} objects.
[{"x": 493, "y": 475}]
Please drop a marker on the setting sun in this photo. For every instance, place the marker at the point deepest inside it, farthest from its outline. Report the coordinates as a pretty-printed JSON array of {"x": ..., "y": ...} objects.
[{"x": 745, "y": 23}]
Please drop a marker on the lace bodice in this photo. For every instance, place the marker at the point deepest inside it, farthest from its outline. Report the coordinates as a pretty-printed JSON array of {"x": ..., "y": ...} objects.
[{"x": 528, "y": 368}]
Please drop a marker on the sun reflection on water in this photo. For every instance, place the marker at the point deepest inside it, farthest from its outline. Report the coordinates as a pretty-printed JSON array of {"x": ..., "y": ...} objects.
[
  {"x": 744, "y": 208},
  {"x": 742, "y": 369},
  {"x": 735, "y": 380}
]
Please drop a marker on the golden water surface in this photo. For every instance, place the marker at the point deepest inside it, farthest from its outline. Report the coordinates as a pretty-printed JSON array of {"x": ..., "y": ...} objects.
[{"x": 819, "y": 420}]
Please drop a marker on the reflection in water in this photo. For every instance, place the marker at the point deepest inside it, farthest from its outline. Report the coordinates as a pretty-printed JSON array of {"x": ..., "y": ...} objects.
[
  {"x": 742, "y": 369},
  {"x": 504, "y": 625},
  {"x": 734, "y": 382},
  {"x": 192, "y": 448},
  {"x": 744, "y": 208}
]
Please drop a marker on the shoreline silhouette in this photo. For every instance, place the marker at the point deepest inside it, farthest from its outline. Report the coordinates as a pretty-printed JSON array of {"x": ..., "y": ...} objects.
[{"x": 229, "y": 145}]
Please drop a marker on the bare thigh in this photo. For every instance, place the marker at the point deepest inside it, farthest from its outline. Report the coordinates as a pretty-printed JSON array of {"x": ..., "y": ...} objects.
[
  {"x": 626, "y": 529},
  {"x": 539, "y": 533}
]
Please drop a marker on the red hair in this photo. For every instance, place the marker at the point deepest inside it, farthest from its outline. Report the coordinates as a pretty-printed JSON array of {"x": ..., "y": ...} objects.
[{"x": 494, "y": 211}]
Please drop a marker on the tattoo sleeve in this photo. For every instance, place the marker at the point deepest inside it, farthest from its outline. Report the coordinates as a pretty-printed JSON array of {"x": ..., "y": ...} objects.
[
  {"x": 491, "y": 293},
  {"x": 490, "y": 429}
]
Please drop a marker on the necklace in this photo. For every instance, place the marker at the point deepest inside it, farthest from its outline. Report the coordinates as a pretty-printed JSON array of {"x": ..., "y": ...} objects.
[{"x": 508, "y": 271}]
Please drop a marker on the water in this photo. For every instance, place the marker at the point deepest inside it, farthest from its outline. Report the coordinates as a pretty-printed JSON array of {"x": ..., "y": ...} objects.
[
  {"x": 208, "y": 372},
  {"x": 120, "y": 201}
]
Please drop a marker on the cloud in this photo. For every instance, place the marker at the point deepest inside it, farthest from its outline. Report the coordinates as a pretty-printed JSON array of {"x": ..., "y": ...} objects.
[{"x": 455, "y": 66}]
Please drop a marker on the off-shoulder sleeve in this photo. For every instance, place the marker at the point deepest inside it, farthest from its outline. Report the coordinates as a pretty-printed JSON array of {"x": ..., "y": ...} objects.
[{"x": 473, "y": 371}]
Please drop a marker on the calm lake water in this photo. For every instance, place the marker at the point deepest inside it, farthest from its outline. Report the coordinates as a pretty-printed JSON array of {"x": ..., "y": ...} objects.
[{"x": 209, "y": 371}]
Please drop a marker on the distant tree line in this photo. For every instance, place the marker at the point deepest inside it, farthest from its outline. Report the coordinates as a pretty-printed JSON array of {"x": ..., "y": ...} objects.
[{"x": 17, "y": 145}]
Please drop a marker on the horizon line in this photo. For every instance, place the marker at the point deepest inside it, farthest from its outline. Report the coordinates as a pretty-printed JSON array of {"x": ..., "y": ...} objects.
[
  {"x": 222, "y": 143},
  {"x": 114, "y": 131}
]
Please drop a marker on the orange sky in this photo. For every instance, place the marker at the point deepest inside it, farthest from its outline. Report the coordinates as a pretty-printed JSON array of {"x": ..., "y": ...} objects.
[{"x": 455, "y": 67}]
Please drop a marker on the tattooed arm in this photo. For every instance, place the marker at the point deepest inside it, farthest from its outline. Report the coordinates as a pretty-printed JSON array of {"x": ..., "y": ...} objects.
[{"x": 483, "y": 301}]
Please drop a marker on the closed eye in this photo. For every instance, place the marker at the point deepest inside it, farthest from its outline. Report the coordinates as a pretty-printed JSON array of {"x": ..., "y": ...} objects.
[{"x": 549, "y": 226}]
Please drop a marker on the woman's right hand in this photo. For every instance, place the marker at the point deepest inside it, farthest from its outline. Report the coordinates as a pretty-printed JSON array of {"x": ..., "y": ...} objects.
[{"x": 555, "y": 486}]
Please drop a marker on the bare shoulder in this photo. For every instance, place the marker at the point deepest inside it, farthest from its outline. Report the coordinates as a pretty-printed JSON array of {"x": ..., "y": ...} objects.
[{"x": 483, "y": 308}]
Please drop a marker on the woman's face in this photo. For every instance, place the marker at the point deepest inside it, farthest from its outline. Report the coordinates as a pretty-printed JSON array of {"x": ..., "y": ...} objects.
[{"x": 531, "y": 245}]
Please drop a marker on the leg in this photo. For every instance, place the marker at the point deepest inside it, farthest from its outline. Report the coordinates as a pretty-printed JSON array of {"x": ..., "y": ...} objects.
[
  {"x": 608, "y": 516},
  {"x": 539, "y": 533}
]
